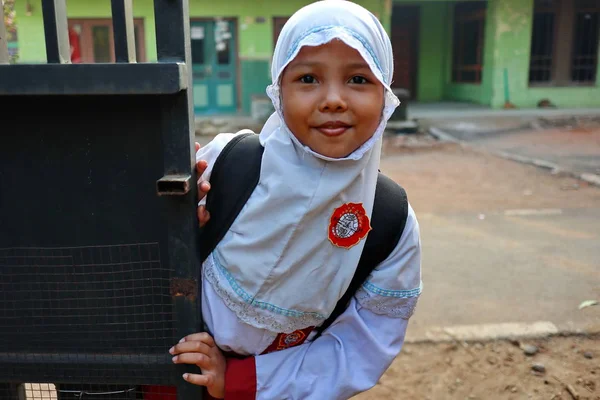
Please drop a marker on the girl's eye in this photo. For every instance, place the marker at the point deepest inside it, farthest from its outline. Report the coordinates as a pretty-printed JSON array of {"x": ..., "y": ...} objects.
[
  {"x": 360, "y": 80},
  {"x": 308, "y": 79}
]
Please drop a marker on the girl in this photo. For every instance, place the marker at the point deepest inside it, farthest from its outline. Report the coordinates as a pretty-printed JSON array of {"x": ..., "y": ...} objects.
[{"x": 280, "y": 270}]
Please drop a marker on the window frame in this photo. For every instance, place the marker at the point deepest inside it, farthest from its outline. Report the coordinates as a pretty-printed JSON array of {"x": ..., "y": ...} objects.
[{"x": 563, "y": 44}]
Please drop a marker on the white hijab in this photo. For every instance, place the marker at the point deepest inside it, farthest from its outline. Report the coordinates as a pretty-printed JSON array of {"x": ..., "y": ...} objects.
[{"x": 276, "y": 268}]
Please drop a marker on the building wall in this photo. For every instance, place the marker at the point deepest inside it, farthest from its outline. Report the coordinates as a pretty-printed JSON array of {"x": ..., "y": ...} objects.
[
  {"x": 255, "y": 27},
  {"x": 512, "y": 36},
  {"x": 434, "y": 81},
  {"x": 432, "y": 51},
  {"x": 32, "y": 48}
]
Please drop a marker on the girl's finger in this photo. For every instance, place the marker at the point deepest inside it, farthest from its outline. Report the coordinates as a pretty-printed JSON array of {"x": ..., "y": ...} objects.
[
  {"x": 197, "y": 146},
  {"x": 201, "y": 167},
  {"x": 194, "y": 346},
  {"x": 196, "y": 379},
  {"x": 203, "y": 188},
  {"x": 199, "y": 359},
  {"x": 201, "y": 337},
  {"x": 203, "y": 217}
]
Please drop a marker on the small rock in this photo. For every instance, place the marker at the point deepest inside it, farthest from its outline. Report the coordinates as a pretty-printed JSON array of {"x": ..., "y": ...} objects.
[
  {"x": 537, "y": 367},
  {"x": 478, "y": 346},
  {"x": 590, "y": 385},
  {"x": 529, "y": 350},
  {"x": 514, "y": 389},
  {"x": 588, "y": 355},
  {"x": 492, "y": 360},
  {"x": 458, "y": 381}
]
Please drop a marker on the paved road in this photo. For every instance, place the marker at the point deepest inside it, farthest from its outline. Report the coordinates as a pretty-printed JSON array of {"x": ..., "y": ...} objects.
[
  {"x": 502, "y": 242},
  {"x": 572, "y": 148},
  {"x": 509, "y": 268}
]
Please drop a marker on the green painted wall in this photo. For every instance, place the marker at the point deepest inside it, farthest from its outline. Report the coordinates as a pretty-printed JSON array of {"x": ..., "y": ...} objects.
[
  {"x": 432, "y": 51},
  {"x": 512, "y": 36},
  {"x": 255, "y": 27},
  {"x": 507, "y": 46}
]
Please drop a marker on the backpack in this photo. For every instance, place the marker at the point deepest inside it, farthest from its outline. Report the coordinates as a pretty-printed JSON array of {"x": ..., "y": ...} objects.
[{"x": 236, "y": 173}]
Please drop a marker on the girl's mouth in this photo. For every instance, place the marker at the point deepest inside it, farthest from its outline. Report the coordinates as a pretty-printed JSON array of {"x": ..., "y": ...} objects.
[{"x": 334, "y": 128}]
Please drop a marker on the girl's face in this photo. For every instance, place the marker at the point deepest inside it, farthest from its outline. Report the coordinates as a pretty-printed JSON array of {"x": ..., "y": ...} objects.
[{"x": 331, "y": 100}]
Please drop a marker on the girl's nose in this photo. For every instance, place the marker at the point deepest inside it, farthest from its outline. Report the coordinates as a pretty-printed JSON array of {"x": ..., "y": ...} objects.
[{"x": 333, "y": 100}]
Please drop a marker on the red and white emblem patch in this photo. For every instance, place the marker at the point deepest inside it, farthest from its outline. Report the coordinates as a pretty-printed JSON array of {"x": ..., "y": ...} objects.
[
  {"x": 285, "y": 341},
  {"x": 348, "y": 225}
]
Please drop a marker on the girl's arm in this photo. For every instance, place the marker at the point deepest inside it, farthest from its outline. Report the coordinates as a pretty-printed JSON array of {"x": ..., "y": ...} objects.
[{"x": 355, "y": 351}]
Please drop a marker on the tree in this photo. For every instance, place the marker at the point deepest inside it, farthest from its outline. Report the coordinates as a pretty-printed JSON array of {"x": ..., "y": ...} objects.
[{"x": 10, "y": 19}]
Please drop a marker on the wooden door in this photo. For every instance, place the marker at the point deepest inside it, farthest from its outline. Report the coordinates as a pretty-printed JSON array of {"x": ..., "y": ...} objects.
[
  {"x": 405, "y": 41},
  {"x": 214, "y": 65}
]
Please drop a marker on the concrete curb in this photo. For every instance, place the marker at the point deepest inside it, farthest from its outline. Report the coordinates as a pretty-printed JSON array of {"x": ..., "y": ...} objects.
[
  {"x": 503, "y": 331},
  {"x": 592, "y": 179}
]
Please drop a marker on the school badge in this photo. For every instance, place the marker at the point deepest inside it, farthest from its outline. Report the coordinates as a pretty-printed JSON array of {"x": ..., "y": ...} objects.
[
  {"x": 286, "y": 340},
  {"x": 348, "y": 225}
]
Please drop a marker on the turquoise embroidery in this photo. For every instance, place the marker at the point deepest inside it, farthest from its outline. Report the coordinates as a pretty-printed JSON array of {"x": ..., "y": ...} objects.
[
  {"x": 259, "y": 304},
  {"x": 401, "y": 294}
]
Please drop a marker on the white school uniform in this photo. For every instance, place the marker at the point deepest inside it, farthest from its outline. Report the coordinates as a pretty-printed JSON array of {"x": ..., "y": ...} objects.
[{"x": 275, "y": 272}]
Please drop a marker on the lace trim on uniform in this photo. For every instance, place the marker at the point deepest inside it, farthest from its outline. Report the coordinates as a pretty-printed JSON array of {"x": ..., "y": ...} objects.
[
  {"x": 251, "y": 311},
  {"x": 393, "y": 303}
]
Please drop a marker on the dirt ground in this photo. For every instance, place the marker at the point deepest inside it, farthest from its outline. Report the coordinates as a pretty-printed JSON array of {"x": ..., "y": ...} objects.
[
  {"x": 448, "y": 177},
  {"x": 495, "y": 370}
]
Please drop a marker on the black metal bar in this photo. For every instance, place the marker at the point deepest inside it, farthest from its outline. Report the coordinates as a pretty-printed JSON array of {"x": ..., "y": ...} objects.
[
  {"x": 60, "y": 358},
  {"x": 56, "y": 31},
  {"x": 122, "y": 13},
  {"x": 173, "y": 44},
  {"x": 93, "y": 79},
  {"x": 3, "y": 38},
  {"x": 172, "y": 30}
]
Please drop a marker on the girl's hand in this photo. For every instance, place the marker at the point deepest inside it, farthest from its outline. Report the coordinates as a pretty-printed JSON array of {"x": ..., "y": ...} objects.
[
  {"x": 200, "y": 349},
  {"x": 203, "y": 188}
]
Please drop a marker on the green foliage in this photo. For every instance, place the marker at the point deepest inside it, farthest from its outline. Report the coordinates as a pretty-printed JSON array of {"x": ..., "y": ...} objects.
[{"x": 10, "y": 18}]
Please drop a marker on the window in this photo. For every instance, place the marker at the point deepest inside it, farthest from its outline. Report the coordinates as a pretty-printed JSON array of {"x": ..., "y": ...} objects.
[
  {"x": 92, "y": 40},
  {"x": 585, "y": 41},
  {"x": 542, "y": 41},
  {"x": 564, "y": 42},
  {"x": 469, "y": 27}
]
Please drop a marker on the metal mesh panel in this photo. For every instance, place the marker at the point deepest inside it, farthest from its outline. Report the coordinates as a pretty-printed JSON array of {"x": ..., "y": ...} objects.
[
  {"x": 104, "y": 299},
  {"x": 100, "y": 309},
  {"x": 89, "y": 295},
  {"x": 49, "y": 391}
]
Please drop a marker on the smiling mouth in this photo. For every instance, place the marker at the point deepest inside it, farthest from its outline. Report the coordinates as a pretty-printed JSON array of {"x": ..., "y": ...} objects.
[{"x": 333, "y": 128}]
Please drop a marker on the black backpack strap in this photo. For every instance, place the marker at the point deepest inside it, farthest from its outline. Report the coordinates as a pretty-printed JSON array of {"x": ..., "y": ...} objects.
[
  {"x": 233, "y": 179},
  {"x": 390, "y": 210}
]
